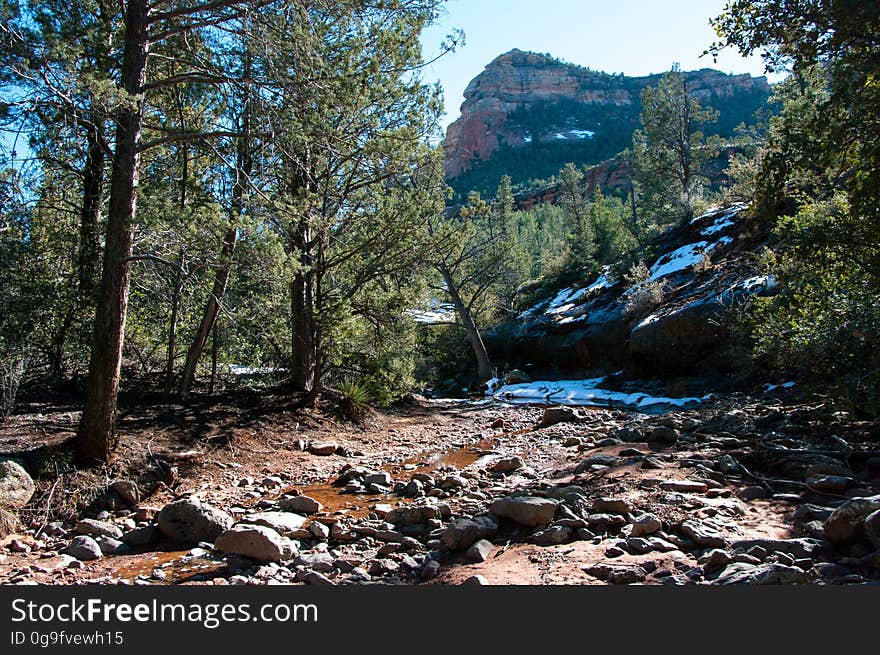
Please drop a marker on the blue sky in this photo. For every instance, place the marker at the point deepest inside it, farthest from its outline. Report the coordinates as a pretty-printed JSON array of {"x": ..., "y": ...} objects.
[{"x": 634, "y": 37}]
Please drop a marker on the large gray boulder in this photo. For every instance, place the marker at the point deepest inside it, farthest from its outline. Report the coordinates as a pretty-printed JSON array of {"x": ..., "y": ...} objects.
[
  {"x": 16, "y": 486},
  {"x": 256, "y": 542},
  {"x": 525, "y": 510},
  {"x": 188, "y": 521}
]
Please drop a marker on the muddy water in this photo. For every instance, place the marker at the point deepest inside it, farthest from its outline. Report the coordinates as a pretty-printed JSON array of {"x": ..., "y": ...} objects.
[
  {"x": 359, "y": 506},
  {"x": 179, "y": 567}
]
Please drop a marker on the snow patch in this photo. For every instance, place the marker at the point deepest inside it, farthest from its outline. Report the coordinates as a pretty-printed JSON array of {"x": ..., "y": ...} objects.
[
  {"x": 586, "y": 393},
  {"x": 583, "y": 134}
]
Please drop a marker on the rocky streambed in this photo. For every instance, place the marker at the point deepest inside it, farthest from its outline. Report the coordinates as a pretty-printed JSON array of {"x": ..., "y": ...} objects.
[{"x": 771, "y": 489}]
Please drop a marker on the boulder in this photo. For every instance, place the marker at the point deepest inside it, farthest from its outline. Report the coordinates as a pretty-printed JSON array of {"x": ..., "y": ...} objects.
[
  {"x": 256, "y": 542},
  {"x": 188, "y": 521},
  {"x": 529, "y": 511},
  {"x": 846, "y": 523},
  {"x": 281, "y": 522},
  {"x": 16, "y": 486},
  {"x": 84, "y": 548},
  {"x": 95, "y": 528},
  {"x": 462, "y": 533}
]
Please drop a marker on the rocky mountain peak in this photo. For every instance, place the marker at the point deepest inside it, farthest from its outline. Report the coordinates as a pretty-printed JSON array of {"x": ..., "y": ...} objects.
[{"x": 529, "y": 100}]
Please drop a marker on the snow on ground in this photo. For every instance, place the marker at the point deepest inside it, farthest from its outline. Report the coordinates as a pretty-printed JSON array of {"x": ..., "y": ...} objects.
[
  {"x": 586, "y": 393},
  {"x": 583, "y": 134},
  {"x": 560, "y": 135},
  {"x": 438, "y": 313},
  {"x": 678, "y": 260},
  {"x": 685, "y": 257},
  {"x": 732, "y": 211},
  {"x": 773, "y": 387}
]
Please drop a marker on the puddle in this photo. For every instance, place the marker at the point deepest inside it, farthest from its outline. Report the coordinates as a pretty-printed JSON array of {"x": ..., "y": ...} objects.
[{"x": 178, "y": 565}]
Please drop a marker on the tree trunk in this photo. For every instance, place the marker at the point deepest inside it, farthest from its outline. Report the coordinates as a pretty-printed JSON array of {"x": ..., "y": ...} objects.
[
  {"x": 302, "y": 319},
  {"x": 97, "y": 436},
  {"x": 484, "y": 365},
  {"x": 244, "y": 164},
  {"x": 212, "y": 311},
  {"x": 172, "y": 325},
  {"x": 90, "y": 213}
]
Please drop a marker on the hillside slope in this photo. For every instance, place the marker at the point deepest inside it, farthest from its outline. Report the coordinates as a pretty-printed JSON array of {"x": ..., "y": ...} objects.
[{"x": 705, "y": 269}]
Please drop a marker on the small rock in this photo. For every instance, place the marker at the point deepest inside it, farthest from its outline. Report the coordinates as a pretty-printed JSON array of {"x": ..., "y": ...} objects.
[
  {"x": 413, "y": 514},
  {"x": 611, "y": 506},
  {"x": 830, "y": 484},
  {"x": 476, "y": 580},
  {"x": 382, "y": 478},
  {"x": 127, "y": 490},
  {"x": 663, "y": 434},
  {"x": 644, "y": 525},
  {"x": 462, "y": 533},
  {"x": 479, "y": 552},
  {"x": 598, "y": 460},
  {"x": 763, "y": 574},
  {"x": 323, "y": 449},
  {"x": 281, "y": 522},
  {"x": 553, "y": 536},
  {"x": 703, "y": 534},
  {"x": 143, "y": 536},
  {"x": 413, "y": 489},
  {"x": 319, "y": 530},
  {"x": 616, "y": 574},
  {"x": 716, "y": 561},
  {"x": 110, "y": 546},
  {"x": 554, "y": 415},
  {"x": 300, "y": 505},
  {"x": 684, "y": 486},
  {"x": 752, "y": 493},
  {"x": 507, "y": 465}
]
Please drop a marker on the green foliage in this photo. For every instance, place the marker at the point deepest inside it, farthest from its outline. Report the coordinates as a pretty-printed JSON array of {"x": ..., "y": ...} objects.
[
  {"x": 819, "y": 173},
  {"x": 670, "y": 151}
]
